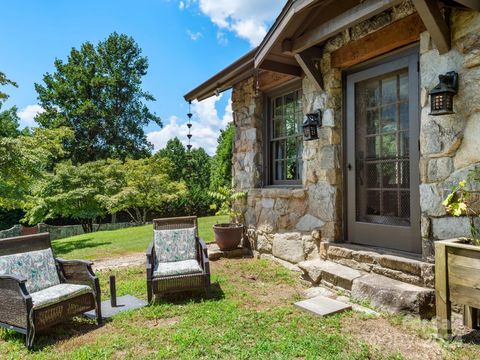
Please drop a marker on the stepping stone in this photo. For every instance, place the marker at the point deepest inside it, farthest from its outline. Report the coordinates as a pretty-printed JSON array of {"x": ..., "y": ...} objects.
[
  {"x": 124, "y": 303},
  {"x": 333, "y": 273},
  {"x": 322, "y": 306},
  {"x": 214, "y": 252}
]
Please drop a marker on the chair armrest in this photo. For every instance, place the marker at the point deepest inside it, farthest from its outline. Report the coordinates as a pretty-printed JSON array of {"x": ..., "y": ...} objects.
[
  {"x": 16, "y": 301},
  {"x": 150, "y": 260},
  {"x": 203, "y": 251},
  {"x": 77, "y": 272}
]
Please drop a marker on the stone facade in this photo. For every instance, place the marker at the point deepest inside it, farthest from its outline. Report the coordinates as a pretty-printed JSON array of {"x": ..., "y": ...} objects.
[
  {"x": 449, "y": 144},
  {"x": 292, "y": 223}
]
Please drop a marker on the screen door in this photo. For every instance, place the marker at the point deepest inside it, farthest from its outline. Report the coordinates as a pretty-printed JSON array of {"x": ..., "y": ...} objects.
[{"x": 383, "y": 155}]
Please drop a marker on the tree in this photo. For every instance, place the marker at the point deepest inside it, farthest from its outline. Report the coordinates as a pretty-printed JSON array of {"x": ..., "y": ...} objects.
[
  {"x": 198, "y": 167},
  {"x": 77, "y": 192},
  {"x": 24, "y": 160},
  {"x": 9, "y": 121},
  {"x": 97, "y": 93},
  {"x": 176, "y": 153},
  {"x": 221, "y": 167},
  {"x": 5, "y": 81},
  {"x": 146, "y": 185}
]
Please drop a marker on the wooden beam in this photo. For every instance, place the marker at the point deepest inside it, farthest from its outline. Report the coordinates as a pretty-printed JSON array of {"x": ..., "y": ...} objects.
[
  {"x": 472, "y": 4},
  {"x": 306, "y": 60},
  {"x": 400, "y": 33},
  {"x": 268, "y": 80},
  {"x": 435, "y": 23},
  {"x": 282, "y": 68},
  {"x": 339, "y": 23},
  {"x": 287, "y": 45}
]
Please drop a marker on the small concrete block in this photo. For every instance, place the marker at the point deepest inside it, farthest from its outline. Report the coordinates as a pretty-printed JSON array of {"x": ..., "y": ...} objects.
[
  {"x": 322, "y": 306},
  {"x": 124, "y": 303}
]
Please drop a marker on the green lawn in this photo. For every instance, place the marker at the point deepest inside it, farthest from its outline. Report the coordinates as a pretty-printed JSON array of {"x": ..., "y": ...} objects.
[
  {"x": 241, "y": 321},
  {"x": 104, "y": 244},
  {"x": 250, "y": 315}
]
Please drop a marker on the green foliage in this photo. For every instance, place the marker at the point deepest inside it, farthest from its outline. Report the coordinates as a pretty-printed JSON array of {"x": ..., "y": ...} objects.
[
  {"x": 24, "y": 160},
  {"x": 97, "y": 93},
  {"x": 176, "y": 153},
  {"x": 75, "y": 191},
  {"x": 146, "y": 184},
  {"x": 458, "y": 203},
  {"x": 228, "y": 199},
  {"x": 198, "y": 169},
  {"x": 221, "y": 168},
  {"x": 5, "y": 81},
  {"x": 192, "y": 168}
]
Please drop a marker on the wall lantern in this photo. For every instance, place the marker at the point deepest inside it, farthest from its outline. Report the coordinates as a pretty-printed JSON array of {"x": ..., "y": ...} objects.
[
  {"x": 311, "y": 124},
  {"x": 441, "y": 96}
]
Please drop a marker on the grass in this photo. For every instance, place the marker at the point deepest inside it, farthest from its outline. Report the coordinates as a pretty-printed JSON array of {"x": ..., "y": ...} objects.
[
  {"x": 114, "y": 243},
  {"x": 249, "y": 316},
  {"x": 244, "y": 319}
]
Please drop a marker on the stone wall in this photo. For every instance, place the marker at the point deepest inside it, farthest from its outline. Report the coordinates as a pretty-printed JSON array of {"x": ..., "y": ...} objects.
[
  {"x": 291, "y": 223},
  {"x": 449, "y": 144},
  {"x": 61, "y": 232}
]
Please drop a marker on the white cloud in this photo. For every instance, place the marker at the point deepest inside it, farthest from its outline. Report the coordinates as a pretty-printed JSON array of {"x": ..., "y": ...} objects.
[
  {"x": 28, "y": 113},
  {"x": 194, "y": 35},
  {"x": 206, "y": 126},
  {"x": 248, "y": 19}
]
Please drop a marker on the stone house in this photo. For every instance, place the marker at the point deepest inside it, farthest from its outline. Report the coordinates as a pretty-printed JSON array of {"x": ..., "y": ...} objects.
[{"x": 360, "y": 206}]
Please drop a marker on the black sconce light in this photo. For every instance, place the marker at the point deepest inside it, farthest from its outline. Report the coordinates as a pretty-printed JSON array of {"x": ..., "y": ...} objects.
[
  {"x": 441, "y": 96},
  {"x": 311, "y": 125}
]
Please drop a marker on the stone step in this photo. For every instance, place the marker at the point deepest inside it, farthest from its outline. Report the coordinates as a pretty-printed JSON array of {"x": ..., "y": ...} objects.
[
  {"x": 330, "y": 272},
  {"x": 394, "y": 296},
  {"x": 393, "y": 264},
  {"x": 381, "y": 291}
]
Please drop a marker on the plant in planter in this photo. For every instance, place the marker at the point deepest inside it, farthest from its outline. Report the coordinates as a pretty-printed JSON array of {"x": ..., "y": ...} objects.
[
  {"x": 457, "y": 261},
  {"x": 228, "y": 236}
]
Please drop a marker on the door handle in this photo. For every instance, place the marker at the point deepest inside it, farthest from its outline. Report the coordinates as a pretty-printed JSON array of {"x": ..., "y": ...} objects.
[{"x": 349, "y": 167}]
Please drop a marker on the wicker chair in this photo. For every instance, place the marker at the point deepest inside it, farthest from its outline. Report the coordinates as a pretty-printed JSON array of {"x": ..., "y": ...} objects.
[
  {"x": 176, "y": 278},
  {"x": 38, "y": 291}
]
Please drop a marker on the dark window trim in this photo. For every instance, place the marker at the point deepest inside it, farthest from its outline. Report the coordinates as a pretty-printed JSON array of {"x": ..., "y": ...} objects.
[{"x": 283, "y": 89}]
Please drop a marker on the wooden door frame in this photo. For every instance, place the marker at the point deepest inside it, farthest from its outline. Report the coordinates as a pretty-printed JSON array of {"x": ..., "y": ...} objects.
[{"x": 414, "y": 159}]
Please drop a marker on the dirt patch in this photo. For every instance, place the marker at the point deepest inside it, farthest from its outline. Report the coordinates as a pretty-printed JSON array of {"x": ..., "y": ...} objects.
[
  {"x": 383, "y": 336},
  {"x": 119, "y": 262},
  {"x": 154, "y": 323},
  {"x": 257, "y": 288}
]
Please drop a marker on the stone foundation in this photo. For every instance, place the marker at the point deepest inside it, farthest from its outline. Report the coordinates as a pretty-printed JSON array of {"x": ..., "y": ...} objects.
[{"x": 294, "y": 224}]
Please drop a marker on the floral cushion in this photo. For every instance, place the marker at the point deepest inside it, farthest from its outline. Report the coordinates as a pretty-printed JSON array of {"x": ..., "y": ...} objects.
[
  {"x": 37, "y": 267},
  {"x": 58, "y": 293},
  {"x": 177, "y": 268},
  {"x": 175, "y": 245}
]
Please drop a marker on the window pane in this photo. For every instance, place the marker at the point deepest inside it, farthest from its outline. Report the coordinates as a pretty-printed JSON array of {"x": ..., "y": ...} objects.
[
  {"x": 373, "y": 122},
  {"x": 279, "y": 130},
  {"x": 389, "y": 90},
  {"x": 286, "y": 144},
  {"x": 280, "y": 152},
  {"x": 403, "y": 79},
  {"x": 278, "y": 107},
  {"x": 389, "y": 146},
  {"x": 389, "y": 118}
]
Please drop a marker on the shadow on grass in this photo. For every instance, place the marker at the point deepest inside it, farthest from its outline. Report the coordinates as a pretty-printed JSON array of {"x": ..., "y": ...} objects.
[
  {"x": 53, "y": 335},
  {"x": 473, "y": 337},
  {"x": 62, "y": 248},
  {"x": 185, "y": 297}
]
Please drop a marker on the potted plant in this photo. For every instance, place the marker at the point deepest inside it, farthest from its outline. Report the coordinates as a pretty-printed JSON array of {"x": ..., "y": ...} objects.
[
  {"x": 457, "y": 261},
  {"x": 229, "y": 235}
]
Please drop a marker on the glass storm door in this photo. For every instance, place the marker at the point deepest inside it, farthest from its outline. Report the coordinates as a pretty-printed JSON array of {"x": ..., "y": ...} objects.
[{"x": 382, "y": 155}]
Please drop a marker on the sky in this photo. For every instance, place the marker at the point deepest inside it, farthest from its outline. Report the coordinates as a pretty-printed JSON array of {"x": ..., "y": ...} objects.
[{"x": 185, "y": 42}]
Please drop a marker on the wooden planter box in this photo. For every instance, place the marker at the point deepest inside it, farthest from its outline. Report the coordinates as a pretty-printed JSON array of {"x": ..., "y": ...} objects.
[{"x": 457, "y": 279}]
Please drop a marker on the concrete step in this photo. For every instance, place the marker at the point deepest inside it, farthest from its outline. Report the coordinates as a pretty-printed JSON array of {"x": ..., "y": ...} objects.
[
  {"x": 394, "y": 296},
  {"x": 330, "y": 272},
  {"x": 396, "y": 265}
]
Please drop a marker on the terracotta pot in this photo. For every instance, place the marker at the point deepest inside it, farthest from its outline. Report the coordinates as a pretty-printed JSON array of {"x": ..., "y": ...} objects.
[{"x": 228, "y": 236}]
